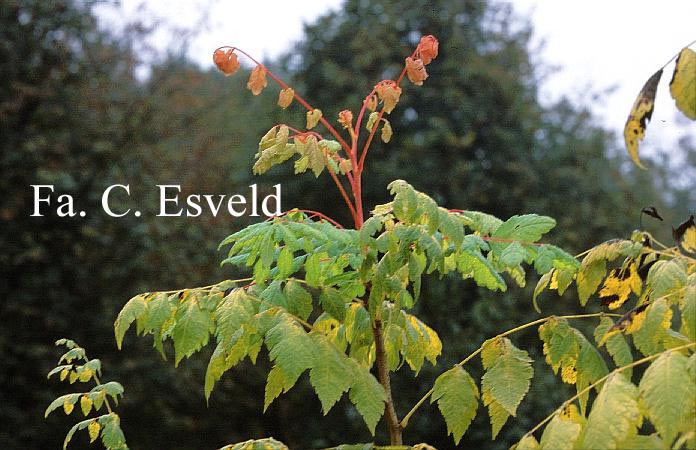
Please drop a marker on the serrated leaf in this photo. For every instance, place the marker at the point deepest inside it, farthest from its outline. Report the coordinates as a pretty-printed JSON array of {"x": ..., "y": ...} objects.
[
  {"x": 669, "y": 394},
  {"x": 472, "y": 264},
  {"x": 682, "y": 87},
  {"x": 299, "y": 300},
  {"x": 641, "y": 112},
  {"x": 330, "y": 376},
  {"x": 614, "y": 416},
  {"x": 665, "y": 277},
  {"x": 590, "y": 367},
  {"x": 93, "y": 429},
  {"x": 191, "y": 330},
  {"x": 616, "y": 345},
  {"x": 367, "y": 395},
  {"x": 135, "y": 307},
  {"x": 457, "y": 399},
  {"x": 589, "y": 278},
  {"x": 112, "y": 436},
  {"x": 508, "y": 375},
  {"x": 561, "y": 433},
  {"x": 290, "y": 347},
  {"x": 527, "y": 228},
  {"x": 651, "y": 335}
]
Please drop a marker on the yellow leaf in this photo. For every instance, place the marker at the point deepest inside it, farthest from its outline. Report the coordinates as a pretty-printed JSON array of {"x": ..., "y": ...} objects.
[
  {"x": 64, "y": 373},
  {"x": 85, "y": 404},
  {"x": 619, "y": 285},
  {"x": 313, "y": 118},
  {"x": 86, "y": 374},
  {"x": 93, "y": 428},
  {"x": 683, "y": 84},
  {"x": 689, "y": 239},
  {"x": 257, "y": 80},
  {"x": 386, "y": 131},
  {"x": 73, "y": 377},
  {"x": 640, "y": 114},
  {"x": 68, "y": 406},
  {"x": 285, "y": 97}
]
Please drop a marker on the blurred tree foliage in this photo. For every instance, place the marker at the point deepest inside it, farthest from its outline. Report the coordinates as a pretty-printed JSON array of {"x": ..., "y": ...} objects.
[{"x": 73, "y": 114}]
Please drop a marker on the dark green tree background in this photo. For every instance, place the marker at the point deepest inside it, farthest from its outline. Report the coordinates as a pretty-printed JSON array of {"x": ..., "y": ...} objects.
[{"x": 475, "y": 136}]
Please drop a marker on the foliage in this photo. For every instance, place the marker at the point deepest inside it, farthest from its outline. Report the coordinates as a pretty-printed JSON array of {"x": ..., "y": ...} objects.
[
  {"x": 336, "y": 301},
  {"x": 195, "y": 324},
  {"x": 108, "y": 425}
]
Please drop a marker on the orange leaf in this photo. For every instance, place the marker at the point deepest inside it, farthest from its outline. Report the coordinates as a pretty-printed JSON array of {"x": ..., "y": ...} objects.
[
  {"x": 416, "y": 71},
  {"x": 226, "y": 61},
  {"x": 257, "y": 80},
  {"x": 345, "y": 118},
  {"x": 427, "y": 48},
  {"x": 371, "y": 102}
]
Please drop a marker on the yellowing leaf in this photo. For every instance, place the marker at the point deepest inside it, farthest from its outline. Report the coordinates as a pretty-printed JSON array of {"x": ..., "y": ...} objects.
[
  {"x": 689, "y": 240},
  {"x": 85, "y": 404},
  {"x": 683, "y": 84},
  {"x": 386, "y": 131},
  {"x": 86, "y": 374},
  {"x": 285, "y": 97},
  {"x": 64, "y": 373},
  {"x": 93, "y": 429},
  {"x": 313, "y": 118},
  {"x": 619, "y": 285},
  {"x": 68, "y": 406},
  {"x": 640, "y": 114}
]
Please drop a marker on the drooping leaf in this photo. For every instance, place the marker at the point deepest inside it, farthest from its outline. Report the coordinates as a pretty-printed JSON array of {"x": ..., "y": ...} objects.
[
  {"x": 615, "y": 415},
  {"x": 367, "y": 395},
  {"x": 683, "y": 83},
  {"x": 330, "y": 376},
  {"x": 563, "y": 430},
  {"x": 457, "y": 398},
  {"x": 191, "y": 329},
  {"x": 616, "y": 344},
  {"x": 313, "y": 118},
  {"x": 669, "y": 394},
  {"x": 619, "y": 285},
  {"x": 257, "y": 80},
  {"x": 641, "y": 112},
  {"x": 650, "y": 337},
  {"x": 508, "y": 373},
  {"x": 135, "y": 307}
]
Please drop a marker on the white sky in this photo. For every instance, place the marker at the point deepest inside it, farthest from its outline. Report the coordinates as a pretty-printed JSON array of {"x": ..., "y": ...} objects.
[{"x": 598, "y": 44}]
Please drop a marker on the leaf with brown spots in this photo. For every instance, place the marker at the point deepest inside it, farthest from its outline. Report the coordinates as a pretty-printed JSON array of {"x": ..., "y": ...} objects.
[{"x": 640, "y": 114}]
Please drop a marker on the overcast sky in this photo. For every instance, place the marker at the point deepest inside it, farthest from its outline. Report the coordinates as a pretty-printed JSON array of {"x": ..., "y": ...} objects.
[{"x": 598, "y": 44}]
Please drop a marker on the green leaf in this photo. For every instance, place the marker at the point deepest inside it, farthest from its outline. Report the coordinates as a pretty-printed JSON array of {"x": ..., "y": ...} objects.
[
  {"x": 135, "y": 307},
  {"x": 561, "y": 433},
  {"x": 590, "y": 367},
  {"x": 665, "y": 277},
  {"x": 112, "y": 436},
  {"x": 669, "y": 394},
  {"x": 191, "y": 330},
  {"x": 640, "y": 442},
  {"x": 508, "y": 373},
  {"x": 589, "y": 278},
  {"x": 615, "y": 415},
  {"x": 687, "y": 306},
  {"x": 527, "y": 228},
  {"x": 527, "y": 442},
  {"x": 651, "y": 336},
  {"x": 291, "y": 348},
  {"x": 60, "y": 401},
  {"x": 513, "y": 255},
  {"x": 457, "y": 398},
  {"x": 472, "y": 264},
  {"x": 616, "y": 345},
  {"x": 367, "y": 395},
  {"x": 299, "y": 300},
  {"x": 330, "y": 376}
]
